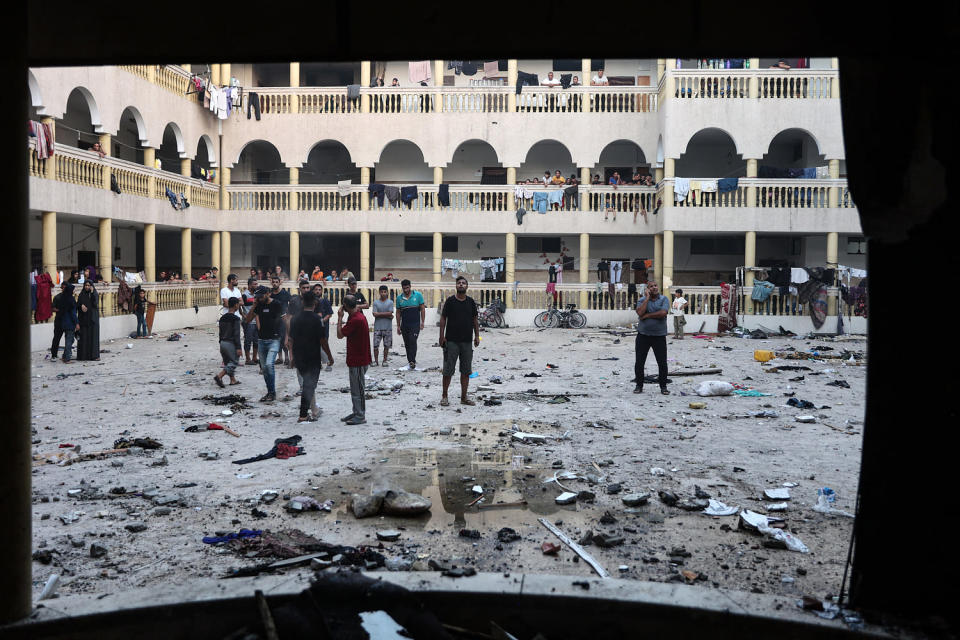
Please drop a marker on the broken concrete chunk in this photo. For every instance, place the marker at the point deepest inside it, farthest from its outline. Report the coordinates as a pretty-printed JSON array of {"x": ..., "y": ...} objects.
[
  {"x": 607, "y": 540},
  {"x": 365, "y": 506},
  {"x": 97, "y": 551},
  {"x": 614, "y": 488},
  {"x": 136, "y": 527},
  {"x": 668, "y": 498},
  {"x": 587, "y": 496},
  {"x": 566, "y": 498},
  {"x": 388, "y": 535},
  {"x": 402, "y": 503},
  {"x": 693, "y": 504},
  {"x": 777, "y": 494},
  {"x": 635, "y": 499}
]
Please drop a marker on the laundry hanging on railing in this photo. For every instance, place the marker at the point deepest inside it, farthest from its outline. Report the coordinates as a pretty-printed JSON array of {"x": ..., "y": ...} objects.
[
  {"x": 727, "y": 319},
  {"x": 45, "y": 139},
  {"x": 408, "y": 195},
  {"x": 393, "y": 194},
  {"x": 725, "y": 185},
  {"x": 456, "y": 65},
  {"x": 524, "y": 78},
  {"x": 377, "y": 190},
  {"x": 681, "y": 187},
  {"x": 540, "y": 201},
  {"x": 490, "y": 69},
  {"x": 419, "y": 71},
  {"x": 762, "y": 290},
  {"x": 343, "y": 188},
  {"x": 443, "y": 195}
]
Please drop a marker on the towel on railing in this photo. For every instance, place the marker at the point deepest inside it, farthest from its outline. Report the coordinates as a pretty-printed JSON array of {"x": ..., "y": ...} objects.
[
  {"x": 823, "y": 173},
  {"x": 540, "y": 201},
  {"x": 393, "y": 194},
  {"x": 353, "y": 91},
  {"x": 443, "y": 195},
  {"x": 555, "y": 197},
  {"x": 708, "y": 186},
  {"x": 408, "y": 195},
  {"x": 419, "y": 71},
  {"x": 490, "y": 69},
  {"x": 173, "y": 198},
  {"x": 571, "y": 191},
  {"x": 377, "y": 190},
  {"x": 565, "y": 80},
  {"x": 113, "y": 184},
  {"x": 343, "y": 188},
  {"x": 526, "y": 78},
  {"x": 681, "y": 187},
  {"x": 520, "y": 213},
  {"x": 810, "y": 173},
  {"x": 518, "y": 192},
  {"x": 727, "y": 184}
]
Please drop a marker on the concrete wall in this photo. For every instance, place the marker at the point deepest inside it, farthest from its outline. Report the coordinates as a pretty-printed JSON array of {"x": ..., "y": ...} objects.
[{"x": 120, "y": 327}]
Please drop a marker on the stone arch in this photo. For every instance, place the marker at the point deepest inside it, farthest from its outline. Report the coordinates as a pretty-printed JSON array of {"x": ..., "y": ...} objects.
[
  {"x": 793, "y": 148},
  {"x": 259, "y": 162},
  {"x": 468, "y": 157},
  {"x": 131, "y": 136},
  {"x": 205, "y": 144},
  {"x": 402, "y": 160},
  {"x": 36, "y": 98},
  {"x": 546, "y": 155},
  {"x": 329, "y": 161},
  {"x": 711, "y": 153},
  {"x": 92, "y": 108},
  {"x": 708, "y": 130}
]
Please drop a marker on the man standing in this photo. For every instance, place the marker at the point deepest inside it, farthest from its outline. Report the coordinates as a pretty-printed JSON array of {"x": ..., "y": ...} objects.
[
  {"x": 458, "y": 317},
  {"x": 64, "y": 323},
  {"x": 652, "y": 333},
  {"x": 356, "y": 332},
  {"x": 282, "y": 297},
  {"x": 676, "y": 309},
  {"x": 356, "y": 293},
  {"x": 382, "y": 325},
  {"x": 305, "y": 331},
  {"x": 269, "y": 318},
  {"x": 229, "y": 291},
  {"x": 294, "y": 307},
  {"x": 411, "y": 314},
  {"x": 250, "y": 339},
  {"x": 324, "y": 309}
]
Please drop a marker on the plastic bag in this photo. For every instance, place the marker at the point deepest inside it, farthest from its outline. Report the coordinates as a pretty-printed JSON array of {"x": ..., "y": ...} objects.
[
  {"x": 825, "y": 497},
  {"x": 714, "y": 388}
]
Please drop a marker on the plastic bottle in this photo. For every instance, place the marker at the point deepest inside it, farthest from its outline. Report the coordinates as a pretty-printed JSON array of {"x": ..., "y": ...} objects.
[{"x": 746, "y": 63}]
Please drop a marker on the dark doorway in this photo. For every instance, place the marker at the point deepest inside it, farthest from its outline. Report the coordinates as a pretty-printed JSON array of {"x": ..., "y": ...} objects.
[
  {"x": 336, "y": 252},
  {"x": 86, "y": 259}
]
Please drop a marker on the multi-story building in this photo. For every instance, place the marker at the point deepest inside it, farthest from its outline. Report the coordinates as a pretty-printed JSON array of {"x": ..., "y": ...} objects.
[{"x": 293, "y": 165}]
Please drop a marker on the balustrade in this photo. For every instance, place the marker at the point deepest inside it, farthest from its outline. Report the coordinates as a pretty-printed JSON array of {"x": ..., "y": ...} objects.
[
  {"x": 169, "y": 296},
  {"x": 735, "y": 83}
]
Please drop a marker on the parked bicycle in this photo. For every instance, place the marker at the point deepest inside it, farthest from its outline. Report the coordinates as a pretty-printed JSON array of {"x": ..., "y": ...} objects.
[
  {"x": 492, "y": 314},
  {"x": 568, "y": 317}
]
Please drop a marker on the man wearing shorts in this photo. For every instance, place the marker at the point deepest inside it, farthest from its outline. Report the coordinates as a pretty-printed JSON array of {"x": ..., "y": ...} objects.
[
  {"x": 382, "y": 325},
  {"x": 458, "y": 318}
]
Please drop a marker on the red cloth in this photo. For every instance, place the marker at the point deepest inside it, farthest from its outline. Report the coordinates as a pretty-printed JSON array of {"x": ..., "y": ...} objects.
[
  {"x": 728, "y": 307},
  {"x": 357, "y": 332},
  {"x": 285, "y": 451},
  {"x": 44, "y": 297}
]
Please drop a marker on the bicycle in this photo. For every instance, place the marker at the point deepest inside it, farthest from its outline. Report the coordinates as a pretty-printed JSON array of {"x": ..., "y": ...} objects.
[
  {"x": 492, "y": 315},
  {"x": 568, "y": 317}
]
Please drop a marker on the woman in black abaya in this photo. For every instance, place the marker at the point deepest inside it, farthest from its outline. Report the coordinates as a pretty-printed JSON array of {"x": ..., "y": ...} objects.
[{"x": 88, "y": 329}]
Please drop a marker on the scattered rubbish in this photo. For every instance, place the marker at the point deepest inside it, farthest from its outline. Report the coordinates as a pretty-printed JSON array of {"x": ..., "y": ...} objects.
[
  {"x": 70, "y": 518},
  {"x": 475, "y": 374},
  {"x": 635, "y": 499},
  {"x": 532, "y": 375},
  {"x": 50, "y": 588},
  {"x": 839, "y": 383},
  {"x": 226, "y": 412},
  {"x": 714, "y": 388},
  {"x": 575, "y": 547},
  {"x": 778, "y": 506},
  {"x": 496, "y": 380},
  {"x": 749, "y": 393},
  {"x": 567, "y": 497},
  {"x": 668, "y": 498},
  {"x": 614, "y": 488},
  {"x": 751, "y": 520},
  {"x": 765, "y": 414},
  {"x": 800, "y": 404},
  {"x": 210, "y": 455},
  {"x": 806, "y": 419},
  {"x": 282, "y": 449},
  {"x": 787, "y": 367},
  {"x": 718, "y": 508},
  {"x": 402, "y": 503},
  {"x": 388, "y": 535},
  {"x": 777, "y": 494},
  {"x": 825, "y": 497},
  {"x": 507, "y": 534},
  {"x": 245, "y": 476},
  {"x": 559, "y": 399},
  {"x": 143, "y": 443},
  {"x": 658, "y": 471},
  {"x": 761, "y": 355},
  {"x": 136, "y": 527},
  {"x": 693, "y": 504},
  {"x": 698, "y": 405},
  {"x": 306, "y": 503},
  {"x": 711, "y": 371},
  {"x": 470, "y": 533},
  {"x": 243, "y": 533},
  {"x": 789, "y": 485},
  {"x": 129, "y": 345}
]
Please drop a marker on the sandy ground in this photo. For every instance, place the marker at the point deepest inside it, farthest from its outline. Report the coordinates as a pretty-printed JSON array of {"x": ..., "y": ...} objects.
[{"x": 138, "y": 392}]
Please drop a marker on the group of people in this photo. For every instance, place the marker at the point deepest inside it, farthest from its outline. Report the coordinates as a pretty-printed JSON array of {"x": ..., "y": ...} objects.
[
  {"x": 295, "y": 329},
  {"x": 76, "y": 318}
]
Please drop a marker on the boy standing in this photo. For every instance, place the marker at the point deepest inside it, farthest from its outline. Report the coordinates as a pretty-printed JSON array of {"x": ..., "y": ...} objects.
[
  {"x": 676, "y": 309},
  {"x": 382, "y": 325},
  {"x": 230, "y": 344},
  {"x": 306, "y": 329},
  {"x": 411, "y": 313},
  {"x": 356, "y": 331}
]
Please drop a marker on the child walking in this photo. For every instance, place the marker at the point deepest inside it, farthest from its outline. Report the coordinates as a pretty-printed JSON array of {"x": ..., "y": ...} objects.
[{"x": 231, "y": 346}]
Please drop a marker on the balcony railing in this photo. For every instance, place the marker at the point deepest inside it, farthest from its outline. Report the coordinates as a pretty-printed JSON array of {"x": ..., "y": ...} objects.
[
  {"x": 167, "y": 295},
  {"x": 771, "y": 194},
  {"x": 777, "y": 84},
  {"x": 170, "y": 77}
]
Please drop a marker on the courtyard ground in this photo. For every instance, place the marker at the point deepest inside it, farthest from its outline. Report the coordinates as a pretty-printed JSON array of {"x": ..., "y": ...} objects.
[{"x": 137, "y": 519}]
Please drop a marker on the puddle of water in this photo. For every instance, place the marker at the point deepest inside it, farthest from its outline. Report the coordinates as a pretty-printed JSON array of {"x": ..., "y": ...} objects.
[{"x": 447, "y": 476}]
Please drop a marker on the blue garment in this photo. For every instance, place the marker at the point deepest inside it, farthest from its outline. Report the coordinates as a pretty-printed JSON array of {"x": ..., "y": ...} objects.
[
  {"x": 243, "y": 533},
  {"x": 761, "y": 290},
  {"x": 810, "y": 173},
  {"x": 540, "y": 201},
  {"x": 268, "y": 357},
  {"x": 555, "y": 197},
  {"x": 654, "y": 326},
  {"x": 408, "y": 194},
  {"x": 377, "y": 190},
  {"x": 141, "y": 324},
  {"x": 727, "y": 184}
]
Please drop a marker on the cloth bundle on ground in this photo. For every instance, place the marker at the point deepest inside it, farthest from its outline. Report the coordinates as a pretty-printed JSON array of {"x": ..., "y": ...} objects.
[
  {"x": 714, "y": 388},
  {"x": 283, "y": 448}
]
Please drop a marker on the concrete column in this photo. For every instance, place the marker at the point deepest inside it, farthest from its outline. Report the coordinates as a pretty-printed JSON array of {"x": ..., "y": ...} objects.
[
  {"x": 150, "y": 257},
  {"x": 667, "y": 260},
  {"x": 584, "y": 268},
  {"x": 365, "y": 195},
  {"x": 186, "y": 260},
  {"x": 833, "y": 193},
  {"x": 751, "y": 191},
  {"x": 512, "y": 82},
  {"x": 225, "y": 256},
  {"x": 510, "y": 264},
  {"x": 658, "y": 174},
  {"x": 185, "y": 172},
  {"x": 50, "y": 164},
  {"x": 104, "y": 235},
  {"x": 215, "y": 74},
  {"x": 658, "y": 259},
  {"x": 224, "y": 177},
  {"x": 225, "y": 74},
  {"x": 753, "y": 86},
  {"x": 364, "y": 83},
  {"x": 437, "y": 258},
  {"x": 584, "y": 200},
  {"x": 833, "y": 240},
  {"x": 835, "y": 82},
  {"x": 438, "y": 175},
  {"x": 749, "y": 260},
  {"x": 661, "y": 68},
  {"x": 105, "y": 145},
  {"x": 668, "y": 171},
  {"x": 511, "y": 181},
  {"x": 668, "y": 82},
  {"x": 295, "y": 254},
  {"x": 585, "y": 73},
  {"x": 295, "y": 181},
  {"x": 150, "y": 161},
  {"x": 364, "y": 256},
  {"x": 215, "y": 250},
  {"x": 186, "y": 67},
  {"x": 49, "y": 246},
  {"x": 295, "y": 74}
]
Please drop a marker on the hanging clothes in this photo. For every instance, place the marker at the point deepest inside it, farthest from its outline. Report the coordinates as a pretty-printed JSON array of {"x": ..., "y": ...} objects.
[
  {"x": 393, "y": 194},
  {"x": 377, "y": 190},
  {"x": 552, "y": 274},
  {"x": 551, "y": 287},
  {"x": 555, "y": 197},
  {"x": 343, "y": 188},
  {"x": 419, "y": 71},
  {"x": 44, "y": 297},
  {"x": 540, "y": 201},
  {"x": 728, "y": 307},
  {"x": 490, "y": 69},
  {"x": 408, "y": 195},
  {"x": 615, "y": 270},
  {"x": 443, "y": 195},
  {"x": 524, "y": 78},
  {"x": 798, "y": 276},
  {"x": 708, "y": 186},
  {"x": 761, "y": 290},
  {"x": 469, "y": 68},
  {"x": 560, "y": 272},
  {"x": 456, "y": 65},
  {"x": 681, "y": 187},
  {"x": 489, "y": 270},
  {"x": 520, "y": 213},
  {"x": 727, "y": 184},
  {"x": 603, "y": 270}
]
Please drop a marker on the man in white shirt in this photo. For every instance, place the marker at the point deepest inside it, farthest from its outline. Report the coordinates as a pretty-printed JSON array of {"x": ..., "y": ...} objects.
[
  {"x": 229, "y": 291},
  {"x": 550, "y": 81},
  {"x": 599, "y": 80},
  {"x": 676, "y": 310}
]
